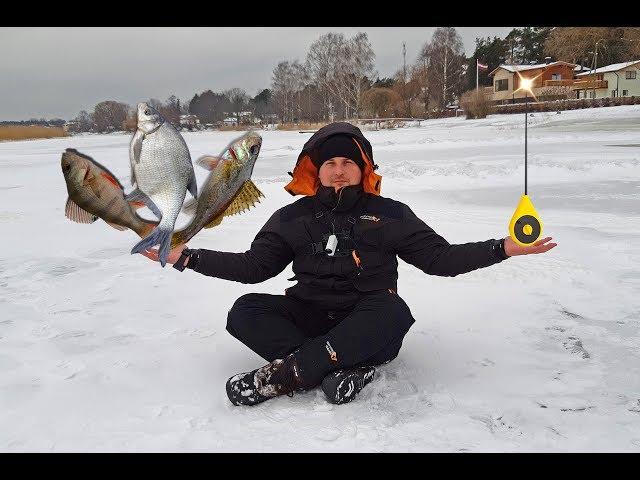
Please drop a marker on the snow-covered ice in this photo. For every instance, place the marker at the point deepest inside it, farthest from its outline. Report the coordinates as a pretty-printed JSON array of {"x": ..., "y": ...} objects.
[{"x": 104, "y": 351}]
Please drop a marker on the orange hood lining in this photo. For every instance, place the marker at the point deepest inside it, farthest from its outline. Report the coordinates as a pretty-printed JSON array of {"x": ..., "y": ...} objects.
[{"x": 305, "y": 179}]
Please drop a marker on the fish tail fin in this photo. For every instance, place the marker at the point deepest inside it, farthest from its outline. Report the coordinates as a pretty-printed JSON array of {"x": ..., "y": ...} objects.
[
  {"x": 165, "y": 247},
  {"x": 159, "y": 236}
]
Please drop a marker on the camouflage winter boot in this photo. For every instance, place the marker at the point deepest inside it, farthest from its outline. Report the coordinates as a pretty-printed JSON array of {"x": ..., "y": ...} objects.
[
  {"x": 341, "y": 386},
  {"x": 280, "y": 377}
]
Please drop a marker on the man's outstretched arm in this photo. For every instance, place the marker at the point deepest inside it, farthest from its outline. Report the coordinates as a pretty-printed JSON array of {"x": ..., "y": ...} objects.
[
  {"x": 268, "y": 255},
  {"x": 419, "y": 245}
]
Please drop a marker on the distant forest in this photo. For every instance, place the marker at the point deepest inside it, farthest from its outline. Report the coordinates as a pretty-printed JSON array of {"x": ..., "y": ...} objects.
[{"x": 337, "y": 80}]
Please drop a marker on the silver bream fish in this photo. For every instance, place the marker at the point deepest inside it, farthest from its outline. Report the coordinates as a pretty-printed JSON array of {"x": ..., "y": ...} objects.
[
  {"x": 162, "y": 171},
  {"x": 228, "y": 189}
]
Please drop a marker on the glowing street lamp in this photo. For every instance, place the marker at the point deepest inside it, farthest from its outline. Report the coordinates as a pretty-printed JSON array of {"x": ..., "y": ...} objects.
[
  {"x": 525, "y": 226},
  {"x": 526, "y": 84}
]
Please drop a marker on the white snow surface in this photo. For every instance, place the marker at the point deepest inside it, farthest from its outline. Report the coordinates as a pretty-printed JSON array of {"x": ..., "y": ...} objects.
[{"x": 102, "y": 351}]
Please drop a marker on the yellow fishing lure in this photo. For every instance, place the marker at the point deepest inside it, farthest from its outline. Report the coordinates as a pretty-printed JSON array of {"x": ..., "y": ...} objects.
[{"x": 525, "y": 226}]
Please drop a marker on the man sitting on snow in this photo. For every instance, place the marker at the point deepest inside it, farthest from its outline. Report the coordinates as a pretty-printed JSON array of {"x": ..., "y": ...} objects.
[{"x": 344, "y": 316}]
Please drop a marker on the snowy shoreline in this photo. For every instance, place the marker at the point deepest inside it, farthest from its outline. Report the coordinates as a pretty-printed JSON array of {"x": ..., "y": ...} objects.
[{"x": 104, "y": 351}]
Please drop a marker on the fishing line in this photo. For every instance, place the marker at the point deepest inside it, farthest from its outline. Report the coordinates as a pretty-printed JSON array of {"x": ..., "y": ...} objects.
[{"x": 525, "y": 226}]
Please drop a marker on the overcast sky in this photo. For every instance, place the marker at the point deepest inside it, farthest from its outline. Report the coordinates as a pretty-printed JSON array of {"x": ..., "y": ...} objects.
[{"x": 56, "y": 72}]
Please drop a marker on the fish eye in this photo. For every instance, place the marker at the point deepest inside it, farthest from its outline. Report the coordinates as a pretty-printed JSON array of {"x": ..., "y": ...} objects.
[
  {"x": 147, "y": 112},
  {"x": 254, "y": 149}
]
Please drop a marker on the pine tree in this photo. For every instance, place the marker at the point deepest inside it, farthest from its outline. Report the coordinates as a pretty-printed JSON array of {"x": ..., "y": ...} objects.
[{"x": 491, "y": 52}]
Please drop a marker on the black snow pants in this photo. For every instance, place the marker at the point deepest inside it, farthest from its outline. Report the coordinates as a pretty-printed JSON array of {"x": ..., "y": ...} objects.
[{"x": 273, "y": 326}]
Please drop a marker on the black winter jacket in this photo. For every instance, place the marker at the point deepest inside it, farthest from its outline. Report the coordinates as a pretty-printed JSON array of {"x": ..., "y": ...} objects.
[{"x": 373, "y": 230}]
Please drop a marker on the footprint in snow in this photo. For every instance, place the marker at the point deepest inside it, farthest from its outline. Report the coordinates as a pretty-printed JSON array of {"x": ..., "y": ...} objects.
[
  {"x": 571, "y": 314},
  {"x": 577, "y": 409},
  {"x": 574, "y": 345},
  {"x": 634, "y": 406},
  {"x": 555, "y": 328}
]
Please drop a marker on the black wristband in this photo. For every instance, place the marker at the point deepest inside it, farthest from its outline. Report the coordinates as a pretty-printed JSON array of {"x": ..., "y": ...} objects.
[
  {"x": 179, "y": 265},
  {"x": 497, "y": 247},
  {"x": 194, "y": 258}
]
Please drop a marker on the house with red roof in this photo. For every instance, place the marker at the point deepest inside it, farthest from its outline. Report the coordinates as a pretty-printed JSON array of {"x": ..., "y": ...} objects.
[{"x": 507, "y": 79}]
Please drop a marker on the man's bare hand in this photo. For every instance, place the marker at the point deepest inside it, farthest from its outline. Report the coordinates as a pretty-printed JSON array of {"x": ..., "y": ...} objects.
[
  {"x": 174, "y": 253},
  {"x": 512, "y": 249}
]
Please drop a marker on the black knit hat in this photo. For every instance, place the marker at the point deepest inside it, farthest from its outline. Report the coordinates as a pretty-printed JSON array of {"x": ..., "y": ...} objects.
[{"x": 338, "y": 146}]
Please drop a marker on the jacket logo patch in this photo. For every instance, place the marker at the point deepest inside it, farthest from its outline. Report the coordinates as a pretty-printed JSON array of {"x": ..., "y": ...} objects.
[
  {"x": 332, "y": 352},
  {"x": 369, "y": 217}
]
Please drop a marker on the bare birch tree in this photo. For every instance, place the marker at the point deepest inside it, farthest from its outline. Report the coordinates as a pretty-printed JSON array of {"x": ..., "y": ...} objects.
[
  {"x": 287, "y": 85},
  {"x": 281, "y": 89},
  {"x": 357, "y": 64},
  {"x": 110, "y": 115},
  {"x": 421, "y": 74},
  {"x": 339, "y": 67},
  {"x": 447, "y": 60},
  {"x": 299, "y": 79},
  {"x": 321, "y": 65}
]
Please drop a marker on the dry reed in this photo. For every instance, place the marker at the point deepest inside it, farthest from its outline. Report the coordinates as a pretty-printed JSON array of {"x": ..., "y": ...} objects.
[{"x": 28, "y": 132}]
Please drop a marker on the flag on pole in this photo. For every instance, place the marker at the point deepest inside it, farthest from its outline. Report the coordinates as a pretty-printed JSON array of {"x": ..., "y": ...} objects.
[{"x": 478, "y": 67}]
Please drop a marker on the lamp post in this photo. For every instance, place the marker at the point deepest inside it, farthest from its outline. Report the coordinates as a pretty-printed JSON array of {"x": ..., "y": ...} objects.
[
  {"x": 595, "y": 74},
  {"x": 526, "y": 84},
  {"x": 591, "y": 76},
  {"x": 595, "y": 66}
]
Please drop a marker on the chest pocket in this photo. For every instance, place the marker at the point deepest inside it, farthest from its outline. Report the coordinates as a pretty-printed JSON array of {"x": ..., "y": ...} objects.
[
  {"x": 302, "y": 234},
  {"x": 368, "y": 235}
]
